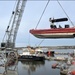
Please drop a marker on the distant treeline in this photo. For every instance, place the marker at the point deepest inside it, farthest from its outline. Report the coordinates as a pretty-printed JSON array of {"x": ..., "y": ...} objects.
[
  {"x": 58, "y": 47},
  {"x": 49, "y": 47}
]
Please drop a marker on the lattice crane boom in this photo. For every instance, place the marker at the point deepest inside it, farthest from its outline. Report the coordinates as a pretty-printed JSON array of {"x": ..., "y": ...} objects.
[{"x": 15, "y": 23}]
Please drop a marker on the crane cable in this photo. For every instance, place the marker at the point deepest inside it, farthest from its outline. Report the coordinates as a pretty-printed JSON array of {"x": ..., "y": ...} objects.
[
  {"x": 65, "y": 12},
  {"x": 41, "y": 42},
  {"x": 9, "y": 21},
  {"x": 42, "y": 14},
  {"x": 40, "y": 20}
]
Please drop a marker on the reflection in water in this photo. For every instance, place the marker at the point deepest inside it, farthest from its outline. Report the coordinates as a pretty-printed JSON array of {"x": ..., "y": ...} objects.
[
  {"x": 32, "y": 65},
  {"x": 39, "y": 67},
  {"x": 29, "y": 67},
  {"x": 36, "y": 68}
]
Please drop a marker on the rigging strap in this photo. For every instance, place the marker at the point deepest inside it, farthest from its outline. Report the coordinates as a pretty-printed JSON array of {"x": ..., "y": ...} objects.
[
  {"x": 42, "y": 14},
  {"x": 65, "y": 12},
  {"x": 41, "y": 42}
]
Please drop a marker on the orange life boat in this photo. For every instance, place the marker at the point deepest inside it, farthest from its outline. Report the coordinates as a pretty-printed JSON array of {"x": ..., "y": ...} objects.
[
  {"x": 72, "y": 72},
  {"x": 54, "y": 65}
]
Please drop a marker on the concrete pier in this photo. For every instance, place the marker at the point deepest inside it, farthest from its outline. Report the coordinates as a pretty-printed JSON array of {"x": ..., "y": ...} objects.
[{"x": 11, "y": 72}]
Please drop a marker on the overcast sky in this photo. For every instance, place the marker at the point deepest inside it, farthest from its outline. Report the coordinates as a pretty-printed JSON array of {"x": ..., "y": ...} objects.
[{"x": 31, "y": 15}]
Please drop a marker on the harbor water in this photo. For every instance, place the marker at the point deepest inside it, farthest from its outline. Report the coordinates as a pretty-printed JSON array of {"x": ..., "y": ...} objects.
[
  {"x": 38, "y": 67},
  {"x": 41, "y": 67}
]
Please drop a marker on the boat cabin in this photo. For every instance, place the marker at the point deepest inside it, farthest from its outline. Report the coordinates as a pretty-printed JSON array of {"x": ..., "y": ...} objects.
[{"x": 58, "y": 20}]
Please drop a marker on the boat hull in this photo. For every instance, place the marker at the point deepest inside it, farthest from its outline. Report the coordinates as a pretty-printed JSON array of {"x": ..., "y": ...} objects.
[
  {"x": 54, "y": 33},
  {"x": 58, "y": 35},
  {"x": 30, "y": 57}
]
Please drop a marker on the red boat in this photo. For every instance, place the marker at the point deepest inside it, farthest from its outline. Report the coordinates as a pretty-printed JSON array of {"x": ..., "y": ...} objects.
[{"x": 55, "y": 32}]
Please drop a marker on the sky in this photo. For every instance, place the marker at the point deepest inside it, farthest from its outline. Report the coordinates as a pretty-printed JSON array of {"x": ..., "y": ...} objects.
[{"x": 31, "y": 16}]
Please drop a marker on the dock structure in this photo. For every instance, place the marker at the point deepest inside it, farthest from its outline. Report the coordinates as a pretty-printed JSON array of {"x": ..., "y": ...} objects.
[
  {"x": 7, "y": 63},
  {"x": 11, "y": 72},
  {"x": 2, "y": 70},
  {"x": 11, "y": 68},
  {"x": 8, "y": 69}
]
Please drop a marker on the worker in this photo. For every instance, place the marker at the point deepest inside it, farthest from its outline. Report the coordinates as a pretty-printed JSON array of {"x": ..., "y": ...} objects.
[
  {"x": 52, "y": 24},
  {"x": 60, "y": 26},
  {"x": 49, "y": 53}
]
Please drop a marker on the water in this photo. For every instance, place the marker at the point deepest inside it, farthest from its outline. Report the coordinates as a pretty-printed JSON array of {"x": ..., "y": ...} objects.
[{"x": 39, "y": 67}]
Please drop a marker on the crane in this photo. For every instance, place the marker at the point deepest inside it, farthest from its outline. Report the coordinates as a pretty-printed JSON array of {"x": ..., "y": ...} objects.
[
  {"x": 11, "y": 32},
  {"x": 15, "y": 20}
]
